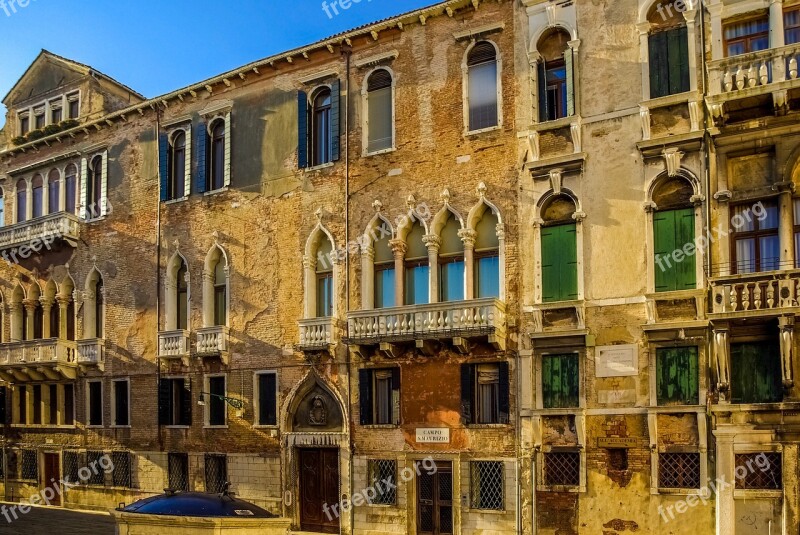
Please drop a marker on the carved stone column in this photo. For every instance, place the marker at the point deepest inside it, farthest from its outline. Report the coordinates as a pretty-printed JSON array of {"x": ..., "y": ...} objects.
[
  {"x": 786, "y": 325},
  {"x": 433, "y": 242},
  {"x": 468, "y": 238},
  {"x": 399, "y": 248},
  {"x": 30, "y": 310},
  {"x": 63, "y": 315},
  {"x": 309, "y": 287},
  {"x": 17, "y": 319},
  {"x": 47, "y": 307},
  {"x": 722, "y": 355},
  {"x": 368, "y": 278}
]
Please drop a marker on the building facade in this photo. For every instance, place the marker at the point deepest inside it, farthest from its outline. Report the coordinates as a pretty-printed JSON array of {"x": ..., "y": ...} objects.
[{"x": 484, "y": 267}]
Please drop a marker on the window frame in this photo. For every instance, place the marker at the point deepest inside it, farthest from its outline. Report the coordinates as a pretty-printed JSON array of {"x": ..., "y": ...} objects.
[
  {"x": 177, "y": 409},
  {"x": 257, "y": 400},
  {"x": 756, "y": 235},
  {"x": 114, "y": 407},
  {"x": 746, "y": 39},
  {"x": 474, "y": 467},
  {"x": 210, "y": 399},
  {"x": 317, "y": 160},
  {"x": 89, "y": 423},
  {"x": 465, "y": 83},
  {"x": 367, "y": 107}
]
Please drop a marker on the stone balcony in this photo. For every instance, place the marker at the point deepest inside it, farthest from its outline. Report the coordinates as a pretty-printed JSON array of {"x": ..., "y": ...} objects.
[
  {"x": 770, "y": 72},
  {"x": 317, "y": 334},
  {"x": 455, "y": 322},
  {"x": 39, "y": 360},
  {"x": 174, "y": 345},
  {"x": 755, "y": 294},
  {"x": 41, "y": 232},
  {"x": 91, "y": 352},
  {"x": 212, "y": 342}
]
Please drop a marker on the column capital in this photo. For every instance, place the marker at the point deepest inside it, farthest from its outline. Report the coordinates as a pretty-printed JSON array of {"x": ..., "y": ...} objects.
[
  {"x": 63, "y": 300},
  {"x": 30, "y": 304},
  {"x": 309, "y": 262},
  {"x": 468, "y": 236},
  {"x": 432, "y": 242},
  {"x": 399, "y": 247}
]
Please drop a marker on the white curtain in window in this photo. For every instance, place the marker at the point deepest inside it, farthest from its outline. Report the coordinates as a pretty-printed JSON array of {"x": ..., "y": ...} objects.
[
  {"x": 380, "y": 119},
  {"x": 483, "y": 96}
]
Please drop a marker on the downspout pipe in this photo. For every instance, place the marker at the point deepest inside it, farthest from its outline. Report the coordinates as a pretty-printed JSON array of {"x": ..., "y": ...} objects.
[{"x": 158, "y": 262}]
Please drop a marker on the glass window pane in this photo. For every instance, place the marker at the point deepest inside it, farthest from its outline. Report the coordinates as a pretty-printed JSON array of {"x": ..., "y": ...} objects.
[
  {"x": 483, "y": 96},
  {"x": 384, "y": 288},
  {"x": 745, "y": 255},
  {"x": 743, "y": 219},
  {"x": 451, "y": 284},
  {"x": 487, "y": 277},
  {"x": 70, "y": 192},
  {"x": 417, "y": 279},
  {"x": 380, "y": 119},
  {"x": 770, "y": 250},
  {"x": 768, "y": 216},
  {"x": 325, "y": 295}
]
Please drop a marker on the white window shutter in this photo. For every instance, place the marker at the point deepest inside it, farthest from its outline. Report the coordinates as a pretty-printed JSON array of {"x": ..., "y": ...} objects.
[
  {"x": 104, "y": 186},
  {"x": 228, "y": 149},
  {"x": 83, "y": 177},
  {"x": 187, "y": 175},
  {"x": 569, "y": 65}
]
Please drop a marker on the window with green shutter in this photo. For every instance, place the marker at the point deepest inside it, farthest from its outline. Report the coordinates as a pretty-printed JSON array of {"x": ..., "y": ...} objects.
[
  {"x": 559, "y": 263},
  {"x": 669, "y": 62},
  {"x": 672, "y": 231},
  {"x": 560, "y": 381},
  {"x": 677, "y": 380},
  {"x": 756, "y": 373}
]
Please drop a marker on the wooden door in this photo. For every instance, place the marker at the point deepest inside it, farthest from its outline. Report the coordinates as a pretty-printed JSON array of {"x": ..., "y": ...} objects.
[
  {"x": 52, "y": 475},
  {"x": 435, "y": 500},
  {"x": 319, "y": 490}
]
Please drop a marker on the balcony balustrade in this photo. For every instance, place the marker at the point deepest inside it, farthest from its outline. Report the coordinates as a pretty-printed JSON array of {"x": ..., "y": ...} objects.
[
  {"x": 41, "y": 232},
  {"x": 755, "y": 293},
  {"x": 212, "y": 341},
  {"x": 317, "y": 334},
  {"x": 38, "y": 360}
]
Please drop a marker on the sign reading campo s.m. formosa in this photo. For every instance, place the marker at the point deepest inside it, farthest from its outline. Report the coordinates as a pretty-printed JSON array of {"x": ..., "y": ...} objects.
[{"x": 433, "y": 435}]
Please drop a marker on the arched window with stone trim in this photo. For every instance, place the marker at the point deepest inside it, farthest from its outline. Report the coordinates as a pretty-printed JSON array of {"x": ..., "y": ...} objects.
[
  {"x": 379, "y": 117},
  {"x": 94, "y": 309},
  {"x": 378, "y": 267},
  {"x": 319, "y": 265},
  {"x": 483, "y": 86},
  {"x": 52, "y": 314},
  {"x": 66, "y": 305},
  {"x": 450, "y": 258},
  {"x": 555, "y": 75},
  {"x": 673, "y": 230},
  {"x": 70, "y": 188},
  {"x": 216, "y": 174},
  {"x": 94, "y": 187},
  {"x": 22, "y": 200},
  {"x": 416, "y": 266},
  {"x": 559, "y": 249},
  {"x": 485, "y": 232},
  {"x": 18, "y": 329},
  {"x": 54, "y": 191},
  {"x": 34, "y": 316},
  {"x": 668, "y": 51},
  {"x": 177, "y": 304},
  {"x": 216, "y": 288},
  {"x": 37, "y": 194}
]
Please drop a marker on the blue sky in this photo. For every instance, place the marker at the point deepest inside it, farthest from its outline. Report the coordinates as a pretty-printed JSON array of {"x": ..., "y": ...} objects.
[{"x": 155, "y": 46}]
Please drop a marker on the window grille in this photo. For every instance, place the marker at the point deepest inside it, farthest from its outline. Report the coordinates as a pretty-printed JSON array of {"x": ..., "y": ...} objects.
[
  {"x": 679, "y": 470},
  {"x": 30, "y": 466},
  {"x": 216, "y": 473},
  {"x": 96, "y": 474},
  {"x": 178, "y": 469},
  {"x": 562, "y": 469},
  {"x": 487, "y": 485},
  {"x": 72, "y": 464},
  {"x": 121, "y": 475},
  {"x": 383, "y": 478},
  {"x": 761, "y": 471}
]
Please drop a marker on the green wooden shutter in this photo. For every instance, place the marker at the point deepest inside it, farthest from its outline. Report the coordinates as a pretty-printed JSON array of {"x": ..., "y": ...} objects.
[
  {"x": 559, "y": 263},
  {"x": 678, "y": 60},
  {"x": 756, "y": 373},
  {"x": 677, "y": 381},
  {"x": 659, "y": 66},
  {"x": 569, "y": 67},
  {"x": 560, "y": 381},
  {"x": 365, "y": 396},
  {"x": 684, "y": 234},
  {"x": 664, "y": 245}
]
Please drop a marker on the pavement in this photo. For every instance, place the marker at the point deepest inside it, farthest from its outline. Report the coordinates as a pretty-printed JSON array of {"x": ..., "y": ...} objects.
[{"x": 48, "y": 520}]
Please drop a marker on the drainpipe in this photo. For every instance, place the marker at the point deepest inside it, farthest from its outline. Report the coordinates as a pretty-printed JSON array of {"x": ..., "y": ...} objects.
[
  {"x": 158, "y": 266},
  {"x": 347, "y": 51}
]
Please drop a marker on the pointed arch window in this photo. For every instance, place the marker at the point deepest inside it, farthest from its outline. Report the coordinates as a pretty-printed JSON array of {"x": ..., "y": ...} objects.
[
  {"x": 380, "y": 111},
  {"x": 417, "y": 268},
  {"x": 216, "y": 176},
  {"x": 482, "y": 79},
  {"x": 22, "y": 200},
  {"x": 324, "y": 285},
  {"x": 321, "y": 128},
  {"x": 559, "y": 251},
  {"x": 94, "y": 187},
  {"x": 487, "y": 257},
  {"x": 70, "y": 188},
  {"x": 94, "y": 307},
  {"x": 37, "y": 187},
  {"x": 54, "y": 191},
  {"x": 177, "y": 164},
  {"x": 182, "y": 305},
  {"x": 99, "y": 309},
  {"x": 556, "y": 76},
  {"x": 384, "y": 268},
  {"x": 451, "y": 262},
  {"x": 220, "y": 294}
]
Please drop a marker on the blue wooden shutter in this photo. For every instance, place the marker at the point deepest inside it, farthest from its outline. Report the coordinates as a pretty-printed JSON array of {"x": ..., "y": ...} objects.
[
  {"x": 163, "y": 165},
  {"x": 365, "y": 396},
  {"x": 467, "y": 378},
  {"x": 302, "y": 129},
  {"x": 201, "y": 137},
  {"x": 335, "y": 116}
]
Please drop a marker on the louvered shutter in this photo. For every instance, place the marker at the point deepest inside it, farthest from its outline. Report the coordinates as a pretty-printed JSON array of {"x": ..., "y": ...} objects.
[
  {"x": 684, "y": 228},
  {"x": 365, "y": 396},
  {"x": 187, "y": 178},
  {"x": 467, "y": 379},
  {"x": 570, "y": 73},
  {"x": 396, "y": 396},
  {"x": 664, "y": 245},
  {"x": 104, "y": 186},
  {"x": 302, "y": 129},
  {"x": 335, "y": 120},
  {"x": 84, "y": 177},
  {"x": 163, "y": 166},
  {"x": 201, "y": 142},
  {"x": 569, "y": 268}
]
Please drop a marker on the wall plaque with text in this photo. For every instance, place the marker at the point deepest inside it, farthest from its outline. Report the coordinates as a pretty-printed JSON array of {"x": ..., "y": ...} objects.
[
  {"x": 435, "y": 435},
  {"x": 617, "y": 361}
]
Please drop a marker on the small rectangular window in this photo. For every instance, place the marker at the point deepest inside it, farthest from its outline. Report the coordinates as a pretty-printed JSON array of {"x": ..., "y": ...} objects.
[
  {"x": 24, "y": 124},
  {"x": 94, "y": 462},
  {"x": 382, "y": 477},
  {"x": 216, "y": 472},
  {"x": 175, "y": 402},
  {"x": 379, "y": 391},
  {"x": 217, "y": 407},
  {"x": 37, "y": 405},
  {"x": 39, "y": 119},
  {"x": 562, "y": 469},
  {"x": 560, "y": 381},
  {"x": 69, "y": 404},
  {"x": 121, "y": 409},
  {"x": 486, "y": 485},
  {"x": 23, "y": 404},
  {"x": 759, "y": 471},
  {"x": 178, "y": 470},
  {"x": 53, "y": 404},
  {"x": 56, "y": 114},
  {"x": 679, "y": 470},
  {"x": 485, "y": 393},
  {"x": 30, "y": 466},
  {"x": 121, "y": 474},
  {"x": 74, "y": 105},
  {"x": 267, "y": 399},
  {"x": 746, "y": 36},
  {"x": 95, "y": 401}
]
